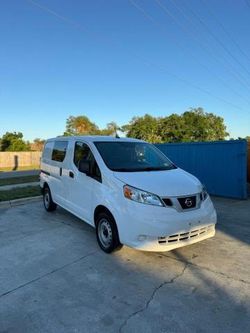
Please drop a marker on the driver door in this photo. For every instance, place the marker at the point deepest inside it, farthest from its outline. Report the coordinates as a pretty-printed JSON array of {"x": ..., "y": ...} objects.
[{"x": 81, "y": 186}]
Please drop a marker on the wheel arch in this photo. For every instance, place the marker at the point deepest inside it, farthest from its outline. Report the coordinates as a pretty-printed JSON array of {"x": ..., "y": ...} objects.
[
  {"x": 45, "y": 185},
  {"x": 102, "y": 209}
]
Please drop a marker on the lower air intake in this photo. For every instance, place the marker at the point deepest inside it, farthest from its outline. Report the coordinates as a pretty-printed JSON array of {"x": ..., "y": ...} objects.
[{"x": 186, "y": 235}]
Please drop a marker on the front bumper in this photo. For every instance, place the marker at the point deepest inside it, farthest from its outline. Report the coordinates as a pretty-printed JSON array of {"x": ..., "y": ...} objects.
[
  {"x": 160, "y": 229},
  {"x": 171, "y": 242}
]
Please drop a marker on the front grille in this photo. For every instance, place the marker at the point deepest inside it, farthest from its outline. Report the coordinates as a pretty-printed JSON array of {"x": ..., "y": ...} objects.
[
  {"x": 187, "y": 202},
  {"x": 185, "y": 235}
]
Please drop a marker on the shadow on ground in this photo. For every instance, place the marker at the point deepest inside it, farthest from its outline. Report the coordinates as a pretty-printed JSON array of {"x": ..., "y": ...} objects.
[
  {"x": 54, "y": 278},
  {"x": 234, "y": 217}
]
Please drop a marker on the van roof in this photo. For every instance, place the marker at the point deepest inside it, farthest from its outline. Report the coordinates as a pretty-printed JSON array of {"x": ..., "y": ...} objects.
[{"x": 92, "y": 138}]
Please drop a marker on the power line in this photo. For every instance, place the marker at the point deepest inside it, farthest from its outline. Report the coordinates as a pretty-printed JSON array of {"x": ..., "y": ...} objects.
[
  {"x": 223, "y": 46},
  {"x": 197, "y": 87},
  {"x": 147, "y": 63},
  {"x": 63, "y": 18},
  {"x": 151, "y": 19},
  {"x": 225, "y": 30},
  {"x": 206, "y": 48}
]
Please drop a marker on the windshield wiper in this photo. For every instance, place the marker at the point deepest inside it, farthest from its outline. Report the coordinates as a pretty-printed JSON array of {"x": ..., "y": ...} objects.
[
  {"x": 123, "y": 170},
  {"x": 132, "y": 169},
  {"x": 164, "y": 168},
  {"x": 152, "y": 169},
  {"x": 143, "y": 169}
]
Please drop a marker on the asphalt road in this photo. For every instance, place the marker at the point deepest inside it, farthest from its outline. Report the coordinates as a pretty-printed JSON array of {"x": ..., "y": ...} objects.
[{"x": 54, "y": 278}]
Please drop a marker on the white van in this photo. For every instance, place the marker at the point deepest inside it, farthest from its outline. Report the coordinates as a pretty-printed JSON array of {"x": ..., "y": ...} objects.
[{"x": 128, "y": 190}]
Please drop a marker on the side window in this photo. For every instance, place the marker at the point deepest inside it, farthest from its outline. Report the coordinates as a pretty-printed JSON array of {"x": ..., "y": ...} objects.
[
  {"x": 83, "y": 152},
  {"x": 59, "y": 151},
  {"x": 47, "y": 150}
]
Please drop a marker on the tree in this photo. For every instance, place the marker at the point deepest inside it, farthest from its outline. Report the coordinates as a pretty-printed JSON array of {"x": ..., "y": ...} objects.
[
  {"x": 13, "y": 142},
  {"x": 37, "y": 144},
  {"x": 172, "y": 129},
  {"x": 203, "y": 126},
  {"x": 111, "y": 129},
  {"x": 192, "y": 125},
  {"x": 80, "y": 125},
  {"x": 143, "y": 128}
]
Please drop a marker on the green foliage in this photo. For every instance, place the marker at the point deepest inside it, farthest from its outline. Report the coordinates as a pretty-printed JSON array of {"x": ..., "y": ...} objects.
[
  {"x": 81, "y": 125},
  {"x": 37, "y": 144},
  {"x": 144, "y": 128},
  {"x": 110, "y": 129},
  {"x": 18, "y": 180},
  {"x": 14, "y": 142},
  {"x": 192, "y": 125},
  {"x": 18, "y": 193},
  {"x": 172, "y": 129}
]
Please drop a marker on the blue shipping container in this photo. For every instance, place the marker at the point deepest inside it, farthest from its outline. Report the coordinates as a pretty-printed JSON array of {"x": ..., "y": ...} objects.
[{"x": 221, "y": 165}]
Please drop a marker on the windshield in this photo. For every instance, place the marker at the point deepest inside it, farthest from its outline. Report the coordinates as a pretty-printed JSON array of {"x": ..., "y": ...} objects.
[{"x": 133, "y": 156}]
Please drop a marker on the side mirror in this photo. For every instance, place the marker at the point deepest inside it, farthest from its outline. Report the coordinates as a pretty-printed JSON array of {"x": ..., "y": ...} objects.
[{"x": 84, "y": 167}]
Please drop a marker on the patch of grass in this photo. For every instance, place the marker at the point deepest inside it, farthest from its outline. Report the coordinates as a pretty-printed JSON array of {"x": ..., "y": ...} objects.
[
  {"x": 22, "y": 168},
  {"x": 18, "y": 180},
  {"x": 18, "y": 193}
]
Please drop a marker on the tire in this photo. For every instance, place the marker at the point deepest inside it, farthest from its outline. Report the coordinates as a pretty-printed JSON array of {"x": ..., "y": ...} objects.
[
  {"x": 107, "y": 233},
  {"x": 49, "y": 204}
]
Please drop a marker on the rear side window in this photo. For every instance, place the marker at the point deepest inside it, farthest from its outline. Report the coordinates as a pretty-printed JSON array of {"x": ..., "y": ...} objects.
[{"x": 59, "y": 151}]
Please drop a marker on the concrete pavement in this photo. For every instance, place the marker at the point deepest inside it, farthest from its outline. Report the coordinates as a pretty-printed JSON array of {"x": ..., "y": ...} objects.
[{"x": 54, "y": 278}]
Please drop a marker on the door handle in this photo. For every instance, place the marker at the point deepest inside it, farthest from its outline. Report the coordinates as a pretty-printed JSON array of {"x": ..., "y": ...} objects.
[
  {"x": 60, "y": 171},
  {"x": 71, "y": 174}
]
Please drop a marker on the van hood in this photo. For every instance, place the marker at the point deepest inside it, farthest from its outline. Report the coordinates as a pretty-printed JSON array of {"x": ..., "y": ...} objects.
[{"x": 176, "y": 182}]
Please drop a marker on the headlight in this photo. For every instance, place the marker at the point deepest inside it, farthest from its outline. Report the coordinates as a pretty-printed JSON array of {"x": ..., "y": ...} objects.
[
  {"x": 134, "y": 194},
  {"x": 204, "y": 194}
]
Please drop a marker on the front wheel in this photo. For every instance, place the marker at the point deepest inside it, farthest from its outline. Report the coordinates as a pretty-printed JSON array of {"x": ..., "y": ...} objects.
[
  {"x": 49, "y": 204},
  {"x": 107, "y": 233}
]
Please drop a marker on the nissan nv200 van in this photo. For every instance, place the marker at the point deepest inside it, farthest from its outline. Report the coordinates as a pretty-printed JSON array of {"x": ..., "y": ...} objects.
[{"x": 128, "y": 190}]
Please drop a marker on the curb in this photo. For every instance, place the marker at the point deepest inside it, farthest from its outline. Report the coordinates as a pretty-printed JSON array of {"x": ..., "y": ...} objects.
[{"x": 18, "y": 202}]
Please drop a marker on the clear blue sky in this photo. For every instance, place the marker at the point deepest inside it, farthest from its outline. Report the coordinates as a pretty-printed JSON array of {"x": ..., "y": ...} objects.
[{"x": 108, "y": 60}]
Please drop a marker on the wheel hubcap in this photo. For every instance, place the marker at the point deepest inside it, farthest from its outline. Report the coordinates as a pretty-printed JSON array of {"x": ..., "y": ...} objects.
[
  {"x": 105, "y": 233},
  {"x": 46, "y": 199}
]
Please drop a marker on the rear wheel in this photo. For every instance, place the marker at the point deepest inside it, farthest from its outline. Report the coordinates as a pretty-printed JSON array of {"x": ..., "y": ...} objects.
[
  {"x": 49, "y": 204},
  {"x": 107, "y": 233}
]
